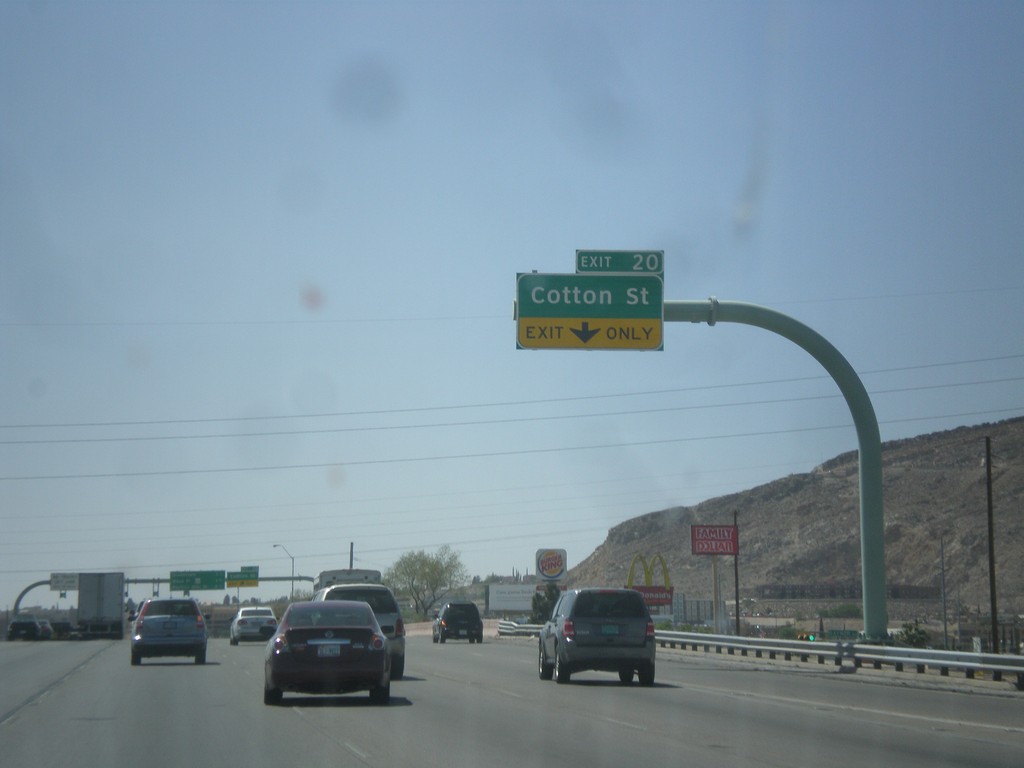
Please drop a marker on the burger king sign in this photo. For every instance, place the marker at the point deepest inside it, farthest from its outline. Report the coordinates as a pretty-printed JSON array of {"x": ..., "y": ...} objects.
[{"x": 551, "y": 564}]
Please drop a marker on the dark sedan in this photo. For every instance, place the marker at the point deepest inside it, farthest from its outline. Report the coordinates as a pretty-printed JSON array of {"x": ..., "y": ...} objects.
[
  {"x": 330, "y": 647},
  {"x": 24, "y": 626}
]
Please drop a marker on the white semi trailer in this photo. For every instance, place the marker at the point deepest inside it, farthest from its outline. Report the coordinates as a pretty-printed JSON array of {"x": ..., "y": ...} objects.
[{"x": 101, "y": 605}]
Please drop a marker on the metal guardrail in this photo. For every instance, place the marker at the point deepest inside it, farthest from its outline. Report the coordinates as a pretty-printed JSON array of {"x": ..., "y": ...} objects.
[
  {"x": 802, "y": 650},
  {"x": 836, "y": 653},
  {"x": 512, "y": 629},
  {"x": 922, "y": 658}
]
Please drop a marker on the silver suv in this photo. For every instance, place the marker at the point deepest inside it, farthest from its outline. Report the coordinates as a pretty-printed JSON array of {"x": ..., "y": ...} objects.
[
  {"x": 601, "y": 629},
  {"x": 385, "y": 607}
]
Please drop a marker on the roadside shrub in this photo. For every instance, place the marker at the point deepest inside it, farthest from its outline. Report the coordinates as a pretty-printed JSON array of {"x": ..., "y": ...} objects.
[{"x": 913, "y": 636}]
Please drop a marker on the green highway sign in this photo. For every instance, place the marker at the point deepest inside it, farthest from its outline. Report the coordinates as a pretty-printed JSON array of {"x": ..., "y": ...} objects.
[
  {"x": 589, "y": 311},
  {"x": 186, "y": 581},
  {"x": 589, "y": 295},
  {"x": 629, "y": 262},
  {"x": 843, "y": 634}
]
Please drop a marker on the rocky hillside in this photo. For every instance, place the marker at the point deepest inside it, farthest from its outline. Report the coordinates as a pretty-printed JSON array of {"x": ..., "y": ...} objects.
[{"x": 805, "y": 529}]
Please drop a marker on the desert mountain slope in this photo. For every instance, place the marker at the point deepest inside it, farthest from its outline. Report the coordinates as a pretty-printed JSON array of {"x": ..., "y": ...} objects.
[{"x": 805, "y": 529}]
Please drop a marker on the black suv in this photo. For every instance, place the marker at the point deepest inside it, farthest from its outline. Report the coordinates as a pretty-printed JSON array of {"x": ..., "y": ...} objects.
[
  {"x": 458, "y": 621},
  {"x": 601, "y": 629}
]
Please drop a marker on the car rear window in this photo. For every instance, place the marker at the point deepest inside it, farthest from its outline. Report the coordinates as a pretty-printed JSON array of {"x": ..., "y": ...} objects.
[
  {"x": 610, "y": 605},
  {"x": 171, "y": 608},
  {"x": 462, "y": 612},
  {"x": 325, "y": 615},
  {"x": 381, "y": 601}
]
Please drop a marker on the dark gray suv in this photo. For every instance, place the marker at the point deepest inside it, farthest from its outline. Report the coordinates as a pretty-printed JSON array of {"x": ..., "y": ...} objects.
[{"x": 598, "y": 629}]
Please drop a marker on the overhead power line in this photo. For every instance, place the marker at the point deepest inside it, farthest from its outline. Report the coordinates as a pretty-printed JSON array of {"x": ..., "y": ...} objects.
[
  {"x": 489, "y": 422},
  {"x": 485, "y": 454},
  {"x": 515, "y": 403}
]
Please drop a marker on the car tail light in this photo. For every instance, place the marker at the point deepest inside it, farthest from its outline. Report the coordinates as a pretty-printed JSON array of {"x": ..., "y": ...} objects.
[
  {"x": 377, "y": 643},
  {"x": 650, "y": 629},
  {"x": 399, "y": 627},
  {"x": 568, "y": 629},
  {"x": 242, "y": 621},
  {"x": 200, "y": 624},
  {"x": 281, "y": 644}
]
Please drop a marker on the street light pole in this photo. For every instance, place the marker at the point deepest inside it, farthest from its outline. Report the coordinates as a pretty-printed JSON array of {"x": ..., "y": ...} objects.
[{"x": 291, "y": 592}]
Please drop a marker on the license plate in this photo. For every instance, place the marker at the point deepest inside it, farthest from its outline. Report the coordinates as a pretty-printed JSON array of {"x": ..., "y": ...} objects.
[
  {"x": 462, "y": 633},
  {"x": 328, "y": 650},
  {"x": 609, "y": 629}
]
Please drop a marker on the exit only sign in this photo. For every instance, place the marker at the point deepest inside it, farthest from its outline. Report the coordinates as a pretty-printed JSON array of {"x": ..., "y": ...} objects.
[{"x": 589, "y": 311}]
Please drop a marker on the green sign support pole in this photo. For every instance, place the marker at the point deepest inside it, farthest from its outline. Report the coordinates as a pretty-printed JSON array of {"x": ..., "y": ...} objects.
[{"x": 872, "y": 525}]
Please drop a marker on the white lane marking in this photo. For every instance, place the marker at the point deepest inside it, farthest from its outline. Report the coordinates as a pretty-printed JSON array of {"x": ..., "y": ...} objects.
[{"x": 831, "y": 706}]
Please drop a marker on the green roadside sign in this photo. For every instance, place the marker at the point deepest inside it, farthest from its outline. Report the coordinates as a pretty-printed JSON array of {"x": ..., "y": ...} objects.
[
  {"x": 186, "y": 581},
  {"x": 630, "y": 262}
]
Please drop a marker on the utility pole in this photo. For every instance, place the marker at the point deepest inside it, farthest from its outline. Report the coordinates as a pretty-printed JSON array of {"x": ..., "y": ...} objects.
[
  {"x": 942, "y": 571},
  {"x": 991, "y": 547},
  {"x": 736, "y": 568}
]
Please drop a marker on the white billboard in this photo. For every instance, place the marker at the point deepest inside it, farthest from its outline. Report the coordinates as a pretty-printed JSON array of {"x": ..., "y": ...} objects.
[
  {"x": 514, "y": 598},
  {"x": 63, "y": 582}
]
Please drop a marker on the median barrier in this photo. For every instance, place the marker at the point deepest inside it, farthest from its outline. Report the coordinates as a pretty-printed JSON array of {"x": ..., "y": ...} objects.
[
  {"x": 513, "y": 629},
  {"x": 859, "y": 654},
  {"x": 924, "y": 658}
]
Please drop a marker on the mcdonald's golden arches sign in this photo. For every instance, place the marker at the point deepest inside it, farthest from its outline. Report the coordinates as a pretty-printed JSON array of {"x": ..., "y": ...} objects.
[{"x": 654, "y": 595}]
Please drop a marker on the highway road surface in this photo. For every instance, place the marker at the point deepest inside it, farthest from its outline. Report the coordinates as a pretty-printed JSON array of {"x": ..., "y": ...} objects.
[{"x": 81, "y": 705}]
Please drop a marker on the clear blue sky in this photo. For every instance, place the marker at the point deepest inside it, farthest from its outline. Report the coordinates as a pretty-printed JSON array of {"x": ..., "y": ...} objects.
[{"x": 258, "y": 263}]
